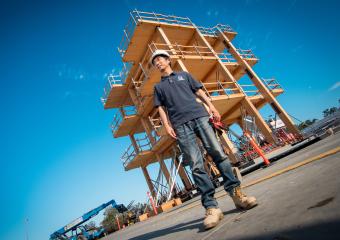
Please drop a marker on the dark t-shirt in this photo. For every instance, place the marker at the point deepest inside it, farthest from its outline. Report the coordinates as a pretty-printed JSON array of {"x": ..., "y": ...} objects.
[{"x": 176, "y": 93}]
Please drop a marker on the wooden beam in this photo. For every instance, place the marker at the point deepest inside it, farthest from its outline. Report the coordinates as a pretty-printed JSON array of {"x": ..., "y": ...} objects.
[
  {"x": 134, "y": 143},
  {"x": 230, "y": 146},
  {"x": 148, "y": 181},
  {"x": 230, "y": 112},
  {"x": 265, "y": 130},
  {"x": 164, "y": 169},
  {"x": 260, "y": 85}
]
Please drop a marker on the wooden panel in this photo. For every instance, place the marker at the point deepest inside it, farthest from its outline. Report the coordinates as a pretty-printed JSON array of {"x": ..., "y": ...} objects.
[
  {"x": 138, "y": 43},
  {"x": 259, "y": 101},
  {"x": 139, "y": 160},
  {"x": 224, "y": 103},
  {"x": 144, "y": 32},
  {"x": 130, "y": 124},
  {"x": 148, "y": 85},
  {"x": 176, "y": 33},
  {"x": 163, "y": 143},
  {"x": 118, "y": 97}
]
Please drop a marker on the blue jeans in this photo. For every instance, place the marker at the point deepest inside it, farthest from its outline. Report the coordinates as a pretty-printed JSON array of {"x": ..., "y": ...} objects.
[{"x": 186, "y": 137}]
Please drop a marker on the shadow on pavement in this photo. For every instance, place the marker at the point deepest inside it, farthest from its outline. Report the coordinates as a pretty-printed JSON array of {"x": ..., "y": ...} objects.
[
  {"x": 324, "y": 230},
  {"x": 194, "y": 224}
]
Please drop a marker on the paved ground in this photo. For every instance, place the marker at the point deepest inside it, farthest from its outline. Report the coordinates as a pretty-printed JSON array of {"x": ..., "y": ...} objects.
[{"x": 302, "y": 203}]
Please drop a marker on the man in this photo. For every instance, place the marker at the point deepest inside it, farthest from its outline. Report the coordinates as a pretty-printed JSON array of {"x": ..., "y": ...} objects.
[{"x": 176, "y": 94}]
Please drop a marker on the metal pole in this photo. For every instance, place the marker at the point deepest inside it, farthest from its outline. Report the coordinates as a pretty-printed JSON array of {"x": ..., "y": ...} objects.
[
  {"x": 256, "y": 148},
  {"x": 152, "y": 203},
  {"x": 117, "y": 222}
]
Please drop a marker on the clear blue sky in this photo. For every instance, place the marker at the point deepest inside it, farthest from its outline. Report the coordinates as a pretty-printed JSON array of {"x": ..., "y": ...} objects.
[{"x": 58, "y": 157}]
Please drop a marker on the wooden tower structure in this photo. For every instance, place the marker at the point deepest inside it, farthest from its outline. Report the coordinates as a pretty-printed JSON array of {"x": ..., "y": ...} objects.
[{"x": 210, "y": 56}]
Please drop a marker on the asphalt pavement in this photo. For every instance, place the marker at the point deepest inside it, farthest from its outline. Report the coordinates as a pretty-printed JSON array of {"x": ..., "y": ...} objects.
[{"x": 298, "y": 198}]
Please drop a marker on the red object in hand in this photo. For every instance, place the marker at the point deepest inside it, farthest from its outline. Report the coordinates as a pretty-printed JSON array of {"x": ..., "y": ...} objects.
[{"x": 218, "y": 125}]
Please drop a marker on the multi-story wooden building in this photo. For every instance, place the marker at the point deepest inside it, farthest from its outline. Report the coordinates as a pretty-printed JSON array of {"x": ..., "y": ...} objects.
[{"x": 210, "y": 56}]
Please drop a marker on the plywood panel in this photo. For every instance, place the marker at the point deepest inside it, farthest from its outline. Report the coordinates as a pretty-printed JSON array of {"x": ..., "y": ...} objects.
[
  {"x": 129, "y": 124},
  {"x": 139, "y": 160},
  {"x": 118, "y": 97}
]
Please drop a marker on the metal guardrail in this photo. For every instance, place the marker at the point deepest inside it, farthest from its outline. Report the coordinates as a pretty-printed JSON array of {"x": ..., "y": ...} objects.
[
  {"x": 142, "y": 144},
  {"x": 181, "y": 50},
  {"x": 114, "y": 79},
  {"x": 271, "y": 83},
  {"x": 226, "y": 57},
  {"x": 202, "y": 51},
  {"x": 246, "y": 53},
  {"x": 111, "y": 80},
  {"x": 250, "y": 90},
  {"x": 119, "y": 116},
  {"x": 128, "y": 155},
  {"x": 220, "y": 88},
  {"x": 213, "y": 31},
  {"x": 140, "y": 16}
]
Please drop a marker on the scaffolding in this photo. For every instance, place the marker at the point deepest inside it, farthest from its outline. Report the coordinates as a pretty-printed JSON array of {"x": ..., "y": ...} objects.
[{"x": 209, "y": 55}]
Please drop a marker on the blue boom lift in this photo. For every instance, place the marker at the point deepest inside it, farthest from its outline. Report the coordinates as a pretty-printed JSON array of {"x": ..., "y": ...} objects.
[{"x": 79, "y": 232}]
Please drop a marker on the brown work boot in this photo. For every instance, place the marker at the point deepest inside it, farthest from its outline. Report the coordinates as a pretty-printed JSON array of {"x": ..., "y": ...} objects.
[
  {"x": 241, "y": 200},
  {"x": 212, "y": 217}
]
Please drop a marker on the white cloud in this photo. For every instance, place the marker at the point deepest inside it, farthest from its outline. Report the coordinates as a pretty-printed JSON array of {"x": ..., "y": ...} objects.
[
  {"x": 297, "y": 48},
  {"x": 335, "y": 86},
  {"x": 212, "y": 13},
  {"x": 67, "y": 94}
]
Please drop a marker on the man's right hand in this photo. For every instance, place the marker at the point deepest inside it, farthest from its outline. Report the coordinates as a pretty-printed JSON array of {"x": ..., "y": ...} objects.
[{"x": 171, "y": 131}]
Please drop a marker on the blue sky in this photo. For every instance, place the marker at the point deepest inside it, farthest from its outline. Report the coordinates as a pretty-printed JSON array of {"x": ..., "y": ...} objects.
[{"x": 58, "y": 156}]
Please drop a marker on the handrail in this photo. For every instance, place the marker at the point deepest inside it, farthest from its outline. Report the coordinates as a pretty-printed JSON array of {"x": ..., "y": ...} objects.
[
  {"x": 213, "y": 31},
  {"x": 142, "y": 144},
  {"x": 246, "y": 53},
  {"x": 252, "y": 90},
  {"x": 271, "y": 83},
  {"x": 115, "y": 79},
  {"x": 139, "y": 16},
  {"x": 120, "y": 115},
  {"x": 128, "y": 155},
  {"x": 221, "y": 88},
  {"x": 143, "y": 71},
  {"x": 111, "y": 80}
]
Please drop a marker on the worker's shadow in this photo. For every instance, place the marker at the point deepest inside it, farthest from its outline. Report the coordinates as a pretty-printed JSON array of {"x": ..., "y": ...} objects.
[{"x": 194, "y": 224}]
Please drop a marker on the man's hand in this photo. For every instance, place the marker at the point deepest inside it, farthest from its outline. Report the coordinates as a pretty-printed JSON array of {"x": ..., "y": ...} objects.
[
  {"x": 212, "y": 110},
  {"x": 215, "y": 113},
  {"x": 165, "y": 122},
  {"x": 171, "y": 131}
]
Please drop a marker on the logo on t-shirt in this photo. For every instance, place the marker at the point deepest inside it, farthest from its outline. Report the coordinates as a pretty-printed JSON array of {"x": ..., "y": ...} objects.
[{"x": 180, "y": 78}]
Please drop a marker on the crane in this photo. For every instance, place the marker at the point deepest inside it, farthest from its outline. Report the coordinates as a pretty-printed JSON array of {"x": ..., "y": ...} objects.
[{"x": 77, "y": 224}]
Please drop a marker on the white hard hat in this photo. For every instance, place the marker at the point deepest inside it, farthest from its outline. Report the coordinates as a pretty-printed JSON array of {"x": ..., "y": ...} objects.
[{"x": 159, "y": 53}]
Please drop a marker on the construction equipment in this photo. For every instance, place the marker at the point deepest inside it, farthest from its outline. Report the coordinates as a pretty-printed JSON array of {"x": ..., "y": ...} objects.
[{"x": 79, "y": 231}]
